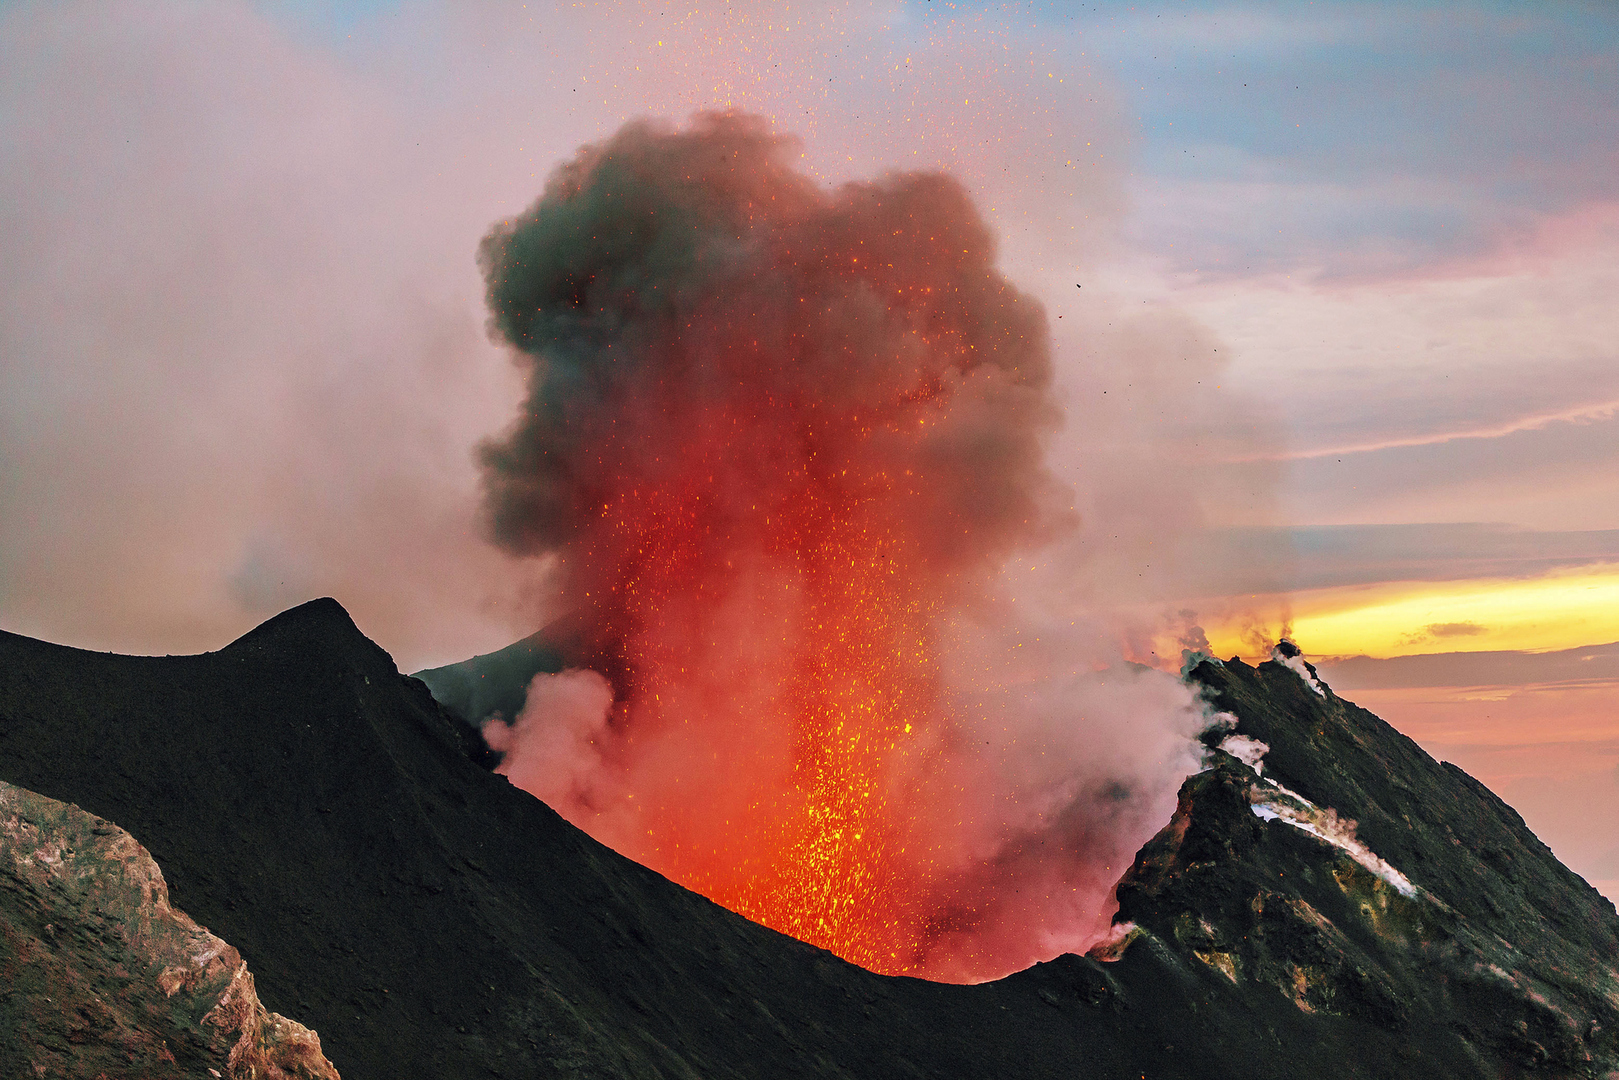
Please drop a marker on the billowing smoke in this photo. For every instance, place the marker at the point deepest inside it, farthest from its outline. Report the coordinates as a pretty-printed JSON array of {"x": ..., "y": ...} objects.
[
  {"x": 778, "y": 444},
  {"x": 552, "y": 749},
  {"x": 1288, "y": 655}
]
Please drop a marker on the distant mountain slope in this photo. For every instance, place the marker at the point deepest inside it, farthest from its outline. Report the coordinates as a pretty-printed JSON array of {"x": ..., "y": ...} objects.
[
  {"x": 497, "y": 682},
  {"x": 325, "y": 815},
  {"x": 1589, "y": 663}
]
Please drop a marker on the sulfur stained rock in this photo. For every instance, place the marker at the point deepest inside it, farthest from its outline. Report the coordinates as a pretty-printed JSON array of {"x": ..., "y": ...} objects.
[{"x": 103, "y": 979}]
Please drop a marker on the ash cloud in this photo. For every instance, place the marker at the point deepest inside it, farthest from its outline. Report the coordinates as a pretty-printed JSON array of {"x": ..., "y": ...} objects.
[
  {"x": 779, "y": 442},
  {"x": 694, "y": 312},
  {"x": 244, "y": 359}
]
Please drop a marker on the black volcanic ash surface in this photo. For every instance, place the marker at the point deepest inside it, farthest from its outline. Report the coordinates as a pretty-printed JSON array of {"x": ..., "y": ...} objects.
[
  {"x": 320, "y": 811},
  {"x": 324, "y": 814}
]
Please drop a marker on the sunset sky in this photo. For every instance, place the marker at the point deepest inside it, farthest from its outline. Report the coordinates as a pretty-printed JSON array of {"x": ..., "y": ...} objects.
[{"x": 1332, "y": 289}]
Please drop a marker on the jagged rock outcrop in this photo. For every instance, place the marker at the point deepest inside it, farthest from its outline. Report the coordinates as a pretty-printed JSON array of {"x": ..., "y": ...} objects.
[
  {"x": 1362, "y": 881},
  {"x": 103, "y": 979}
]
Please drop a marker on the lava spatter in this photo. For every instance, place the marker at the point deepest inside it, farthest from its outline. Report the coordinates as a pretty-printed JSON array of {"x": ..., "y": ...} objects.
[{"x": 774, "y": 435}]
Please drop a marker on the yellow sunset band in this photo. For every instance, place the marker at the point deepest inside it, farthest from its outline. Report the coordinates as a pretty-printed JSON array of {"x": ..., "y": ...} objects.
[{"x": 1561, "y": 610}]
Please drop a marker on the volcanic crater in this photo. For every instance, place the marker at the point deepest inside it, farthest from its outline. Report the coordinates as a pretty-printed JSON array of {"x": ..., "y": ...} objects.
[{"x": 343, "y": 830}]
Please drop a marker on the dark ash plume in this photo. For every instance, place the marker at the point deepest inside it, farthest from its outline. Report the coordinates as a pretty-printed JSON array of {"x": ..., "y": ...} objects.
[
  {"x": 779, "y": 441},
  {"x": 694, "y": 312}
]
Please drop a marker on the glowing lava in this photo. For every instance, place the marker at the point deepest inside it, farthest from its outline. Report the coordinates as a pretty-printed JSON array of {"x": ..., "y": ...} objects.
[{"x": 775, "y": 435}]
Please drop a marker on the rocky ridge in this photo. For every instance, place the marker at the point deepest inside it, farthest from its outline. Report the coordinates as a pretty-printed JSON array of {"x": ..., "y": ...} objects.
[
  {"x": 336, "y": 823},
  {"x": 1434, "y": 916},
  {"x": 105, "y": 979}
]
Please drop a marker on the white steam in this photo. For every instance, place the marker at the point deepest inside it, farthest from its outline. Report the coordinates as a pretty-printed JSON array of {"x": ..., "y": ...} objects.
[
  {"x": 1251, "y": 752},
  {"x": 1291, "y": 808},
  {"x": 551, "y": 749},
  {"x": 1293, "y": 660}
]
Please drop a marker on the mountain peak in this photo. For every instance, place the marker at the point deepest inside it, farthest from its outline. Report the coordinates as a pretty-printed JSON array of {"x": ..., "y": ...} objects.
[
  {"x": 322, "y": 617},
  {"x": 1358, "y": 877},
  {"x": 318, "y": 631}
]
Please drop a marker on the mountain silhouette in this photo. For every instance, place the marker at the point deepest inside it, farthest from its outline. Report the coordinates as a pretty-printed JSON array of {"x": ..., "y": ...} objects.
[{"x": 342, "y": 829}]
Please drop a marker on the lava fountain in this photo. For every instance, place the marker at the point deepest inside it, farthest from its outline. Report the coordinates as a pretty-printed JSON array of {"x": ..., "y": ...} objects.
[{"x": 775, "y": 439}]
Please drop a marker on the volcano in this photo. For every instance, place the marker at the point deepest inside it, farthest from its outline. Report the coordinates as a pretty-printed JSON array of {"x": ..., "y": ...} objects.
[{"x": 1326, "y": 901}]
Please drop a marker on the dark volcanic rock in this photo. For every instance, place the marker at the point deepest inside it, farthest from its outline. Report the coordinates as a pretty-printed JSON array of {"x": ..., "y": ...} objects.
[
  {"x": 104, "y": 979},
  {"x": 322, "y": 812},
  {"x": 1434, "y": 918}
]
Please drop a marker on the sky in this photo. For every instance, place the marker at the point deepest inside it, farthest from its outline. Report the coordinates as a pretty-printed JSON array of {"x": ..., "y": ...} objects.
[{"x": 1330, "y": 288}]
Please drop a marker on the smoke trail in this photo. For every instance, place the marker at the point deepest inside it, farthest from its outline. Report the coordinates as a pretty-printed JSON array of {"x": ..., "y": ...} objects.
[{"x": 779, "y": 440}]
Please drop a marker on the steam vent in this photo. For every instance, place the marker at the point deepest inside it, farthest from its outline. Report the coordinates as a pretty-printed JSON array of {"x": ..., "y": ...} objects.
[{"x": 1326, "y": 901}]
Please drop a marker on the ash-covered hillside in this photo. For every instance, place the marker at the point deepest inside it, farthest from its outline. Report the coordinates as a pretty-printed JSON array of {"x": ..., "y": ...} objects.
[
  {"x": 1331, "y": 861},
  {"x": 331, "y": 820}
]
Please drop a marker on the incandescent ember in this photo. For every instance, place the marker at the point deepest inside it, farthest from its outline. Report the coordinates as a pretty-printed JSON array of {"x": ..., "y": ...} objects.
[{"x": 775, "y": 437}]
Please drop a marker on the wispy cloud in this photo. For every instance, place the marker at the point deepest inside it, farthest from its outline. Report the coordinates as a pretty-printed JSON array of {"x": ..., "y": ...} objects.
[
  {"x": 1555, "y": 610},
  {"x": 1577, "y": 415},
  {"x": 1220, "y": 31}
]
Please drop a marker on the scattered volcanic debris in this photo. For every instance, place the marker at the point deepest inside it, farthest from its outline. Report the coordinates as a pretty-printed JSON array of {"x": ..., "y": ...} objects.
[{"x": 322, "y": 812}]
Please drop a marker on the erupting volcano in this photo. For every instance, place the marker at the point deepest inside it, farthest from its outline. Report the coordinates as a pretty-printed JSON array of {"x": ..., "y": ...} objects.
[{"x": 777, "y": 443}]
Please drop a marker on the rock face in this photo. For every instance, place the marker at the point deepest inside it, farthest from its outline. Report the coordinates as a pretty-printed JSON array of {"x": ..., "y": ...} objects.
[
  {"x": 1434, "y": 918},
  {"x": 104, "y": 979},
  {"x": 328, "y": 816}
]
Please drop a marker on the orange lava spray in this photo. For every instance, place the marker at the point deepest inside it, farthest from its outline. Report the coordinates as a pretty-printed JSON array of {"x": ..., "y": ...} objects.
[{"x": 775, "y": 435}]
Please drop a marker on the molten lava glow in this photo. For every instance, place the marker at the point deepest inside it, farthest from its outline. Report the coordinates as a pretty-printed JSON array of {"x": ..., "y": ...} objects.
[
  {"x": 837, "y": 660},
  {"x": 779, "y": 439}
]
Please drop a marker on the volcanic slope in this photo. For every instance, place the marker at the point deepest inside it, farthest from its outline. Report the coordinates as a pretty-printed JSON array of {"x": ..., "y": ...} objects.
[
  {"x": 104, "y": 979},
  {"x": 1366, "y": 882},
  {"x": 495, "y": 685},
  {"x": 324, "y": 814}
]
